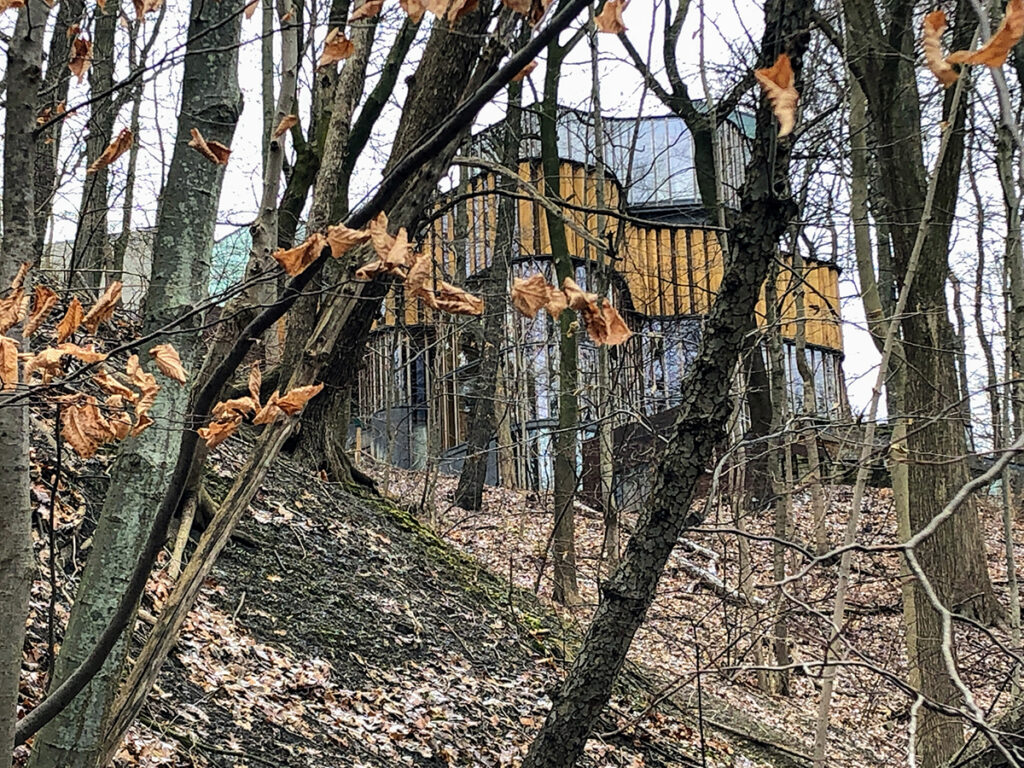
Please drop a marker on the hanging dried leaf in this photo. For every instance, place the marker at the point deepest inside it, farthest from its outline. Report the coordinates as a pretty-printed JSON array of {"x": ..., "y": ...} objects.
[
  {"x": 19, "y": 278},
  {"x": 8, "y": 363},
  {"x": 295, "y": 400},
  {"x": 250, "y": 9},
  {"x": 269, "y": 412},
  {"x": 103, "y": 309},
  {"x": 167, "y": 360},
  {"x": 995, "y": 50},
  {"x": 456, "y": 301},
  {"x": 44, "y": 301},
  {"x": 577, "y": 298},
  {"x": 85, "y": 428},
  {"x": 81, "y": 57},
  {"x": 114, "y": 150},
  {"x": 610, "y": 18},
  {"x": 120, "y": 422},
  {"x": 213, "y": 151},
  {"x": 6, "y": 5},
  {"x": 606, "y": 326},
  {"x": 255, "y": 382},
  {"x": 238, "y": 406},
  {"x": 70, "y": 322},
  {"x": 382, "y": 241},
  {"x": 530, "y": 295},
  {"x": 142, "y": 7},
  {"x": 777, "y": 84},
  {"x": 47, "y": 362},
  {"x": 459, "y": 8},
  {"x": 219, "y": 431},
  {"x": 395, "y": 261},
  {"x": 112, "y": 386},
  {"x": 417, "y": 281},
  {"x": 337, "y": 47},
  {"x": 341, "y": 239},
  {"x": 148, "y": 390},
  {"x": 296, "y": 259},
  {"x": 414, "y": 9},
  {"x": 934, "y": 26},
  {"x": 13, "y": 309},
  {"x": 525, "y": 71},
  {"x": 285, "y": 125},
  {"x": 367, "y": 10},
  {"x": 557, "y": 302}
]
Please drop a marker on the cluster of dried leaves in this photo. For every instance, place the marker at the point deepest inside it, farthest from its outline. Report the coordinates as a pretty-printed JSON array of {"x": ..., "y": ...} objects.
[
  {"x": 229, "y": 414},
  {"x": 603, "y": 321},
  {"x": 395, "y": 257},
  {"x": 86, "y": 422},
  {"x": 992, "y": 54}
]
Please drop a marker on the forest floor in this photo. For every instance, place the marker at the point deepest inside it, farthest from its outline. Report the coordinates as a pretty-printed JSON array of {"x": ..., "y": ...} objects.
[
  {"x": 697, "y": 628},
  {"x": 337, "y": 630}
]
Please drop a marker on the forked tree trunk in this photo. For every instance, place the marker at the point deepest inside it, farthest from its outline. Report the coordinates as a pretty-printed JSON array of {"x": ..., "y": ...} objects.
[
  {"x": 24, "y": 67},
  {"x": 211, "y": 102},
  {"x": 765, "y": 212}
]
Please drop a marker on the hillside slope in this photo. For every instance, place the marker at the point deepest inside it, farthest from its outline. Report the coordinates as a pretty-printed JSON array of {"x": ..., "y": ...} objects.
[{"x": 338, "y": 631}]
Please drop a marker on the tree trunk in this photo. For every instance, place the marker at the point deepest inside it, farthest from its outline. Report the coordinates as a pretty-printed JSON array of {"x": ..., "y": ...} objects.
[
  {"x": 765, "y": 212},
  {"x": 490, "y": 332},
  {"x": 24, "y": 67},
  {"x": 92, "y": 246},
  {"x": 211, "y": 102}
]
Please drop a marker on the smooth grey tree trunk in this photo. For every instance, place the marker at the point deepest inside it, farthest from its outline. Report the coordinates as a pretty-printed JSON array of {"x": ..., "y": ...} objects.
[
  {"x": 24, "y": 66},
  {"x": 211, "y": 102}
]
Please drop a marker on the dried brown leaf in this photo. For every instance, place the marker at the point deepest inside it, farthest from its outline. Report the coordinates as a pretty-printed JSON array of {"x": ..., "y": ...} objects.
[
  {"x": 169, "y": 363},
  {"x": 13, "y": 309},
  {"x": 238, "y": 406},
  {"x": 113, "y": 387},
  {"x": 71, "y": 320},
  {"x": 85, "y": 428},
  {"x": 296, "y": 259},
  {"x": 81, "y": 57},
  {"x": 610, "y": 18},
  {"x": 337, "y": 47},
  {"x": 414, "y": 9},
  {"x": 147, "y": 386},
  {"x": 995, "y": 50},
  {"x": 523, "y": 73},
  {"x": 219, "y": 431},
  {"x": 777, "y": 84},
  {"x": 530, "y": 295},
  {"x": 934, "y": 26},
  {"x": 250, "y": 9},
  {"x": 576, "y": 297},
  {"x": 104, "y": 308},
  {"x": 269, "y": 412},
  {"x": 6, "y": 5},
  {"x": 285, "y": 125},
  {"x": 341, "y": 239},
  {"x": 19, "y": 278},
  {"x": 294, "y": 400},
  {"x": 367, "y": 10},
  {"x": 8, "y": 363},
  {"x": 382, "y": 241},
  {"x": 213, "y": 151},
  {"x": 44, "y": 301},
  {"x": 457, "y": 301},
  {"x": 114, "y": 150}
]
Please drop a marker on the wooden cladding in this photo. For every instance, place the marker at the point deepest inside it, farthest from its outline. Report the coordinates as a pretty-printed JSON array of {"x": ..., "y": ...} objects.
[{"x": 669, "y": 270}]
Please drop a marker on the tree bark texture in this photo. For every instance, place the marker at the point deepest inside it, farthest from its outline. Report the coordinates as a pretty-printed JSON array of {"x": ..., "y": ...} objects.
[
  {"x": 765, "y": 212},
  {"x": 24, "y": 67},
  {"x": 211, "y": 102},
  {"x": 490, "y": 333}
]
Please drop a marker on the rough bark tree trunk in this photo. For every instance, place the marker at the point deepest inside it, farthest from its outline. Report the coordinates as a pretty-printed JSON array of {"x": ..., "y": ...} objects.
[
  {"x": 24, "y": 67},
  {"x": 490, "y": 333},
  {"x": 211, "y": 102},
  {"x": 766, "y": 210}
]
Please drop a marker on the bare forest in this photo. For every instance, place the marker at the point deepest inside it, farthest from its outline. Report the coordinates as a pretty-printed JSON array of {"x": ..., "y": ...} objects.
[{"x": 511, "y": 383}]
